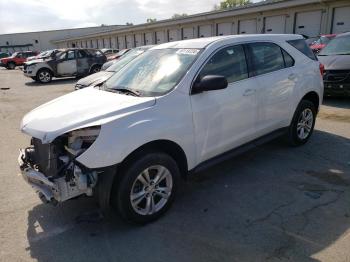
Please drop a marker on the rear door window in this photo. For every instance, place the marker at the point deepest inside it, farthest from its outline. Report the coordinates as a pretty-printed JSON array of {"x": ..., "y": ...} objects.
[
  {"x": 302, "y": 46},
  {"x": 229, "y": 62},
  {"x": 265, "y": 58},
  {"x": 70, "y": 55}
]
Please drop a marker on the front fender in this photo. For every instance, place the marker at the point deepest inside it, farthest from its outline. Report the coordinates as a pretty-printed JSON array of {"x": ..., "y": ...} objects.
[{"x": 119, "y": 138}]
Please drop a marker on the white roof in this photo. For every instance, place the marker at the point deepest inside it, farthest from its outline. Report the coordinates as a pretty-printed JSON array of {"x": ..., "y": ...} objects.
[{"x": 203, "y": 42}]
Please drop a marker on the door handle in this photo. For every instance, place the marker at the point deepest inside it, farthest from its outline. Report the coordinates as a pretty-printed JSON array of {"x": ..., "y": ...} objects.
[
  {"x": 249, "y": 92},
  {"x": 292, "y": 76}
]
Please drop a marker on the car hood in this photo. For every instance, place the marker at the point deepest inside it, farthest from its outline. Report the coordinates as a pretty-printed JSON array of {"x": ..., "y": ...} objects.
[
  {"x": 95, "y": 79},
  {"x": 35, "y": 61},
  {"x": 335, "y": 62},
  {"x": 79, "y": 109}
]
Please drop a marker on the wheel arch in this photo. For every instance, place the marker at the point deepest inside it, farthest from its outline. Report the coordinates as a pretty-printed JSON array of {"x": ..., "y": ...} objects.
[
  {"x": 167, "y": 146},
  {"x": 313, "y": 97},
  {"x": 93, "y": 65}
]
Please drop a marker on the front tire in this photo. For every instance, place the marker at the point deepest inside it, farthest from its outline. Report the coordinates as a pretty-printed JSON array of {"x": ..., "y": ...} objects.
[
  {"x": 146, "y": 188},
  {"x": 11, "y": 66},
  {"x": 44, "y": 76},
  {"x": 303, "y": 123}
]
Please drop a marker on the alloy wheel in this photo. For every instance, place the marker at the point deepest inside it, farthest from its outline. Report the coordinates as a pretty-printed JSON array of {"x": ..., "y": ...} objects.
[
  {"x": 305, "y": 123},
  {"x": 44, "y": 76},
  {"x": 151, "y": 190}
]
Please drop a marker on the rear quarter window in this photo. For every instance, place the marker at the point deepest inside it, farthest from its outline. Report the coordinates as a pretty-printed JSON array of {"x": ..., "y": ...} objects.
[{"x": 302, "y": 46}]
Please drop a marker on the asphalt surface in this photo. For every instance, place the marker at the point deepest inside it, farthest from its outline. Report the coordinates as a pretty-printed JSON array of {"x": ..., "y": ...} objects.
[{"x": 273, "y": 203}]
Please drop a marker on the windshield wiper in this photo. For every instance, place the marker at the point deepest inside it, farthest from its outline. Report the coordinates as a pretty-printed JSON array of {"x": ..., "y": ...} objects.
[{"x": 127, "y": 90}]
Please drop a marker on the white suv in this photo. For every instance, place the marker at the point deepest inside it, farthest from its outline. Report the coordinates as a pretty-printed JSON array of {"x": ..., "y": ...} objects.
[{"x": 176, "y": 109}]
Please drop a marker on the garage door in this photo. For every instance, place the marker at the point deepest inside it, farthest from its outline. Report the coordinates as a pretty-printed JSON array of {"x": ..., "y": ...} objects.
[
  {"x": 173, "y": 35},
  {"x": 275, "y": 24},
  {"x": 187, "y": 33},
  {"x": 114, "y": 42},
  {"x": 129, "y": 41},
  {"x": 106, "y": 43},
  {"x": 121, "y": 42},
  {"x": 224, "y": 29},
  {"x": 100, "y": 43},
  {"x": 341, "y": 20},
  {"x": 138, "y": 40},
  {"x": 149, "y": 38},
  {"x": 205, "y": 30},
  {"x": 247, "y": 26},
  {"x": 160, "y": 37},
  {"x": 308, "y": 23}
]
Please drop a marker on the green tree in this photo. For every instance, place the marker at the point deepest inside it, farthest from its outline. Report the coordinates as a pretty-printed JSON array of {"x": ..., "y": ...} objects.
[
  {"x": 127, "y": 23},
  {"x": 151, "y": 20},
  {"x": 227, "y": 4},
  {"x": 179, "y": 15}
]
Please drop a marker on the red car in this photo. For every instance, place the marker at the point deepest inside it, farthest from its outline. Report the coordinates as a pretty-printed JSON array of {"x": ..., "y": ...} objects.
[
  {"x": 321, "y": 42},
  {"x": 16, "y": 59}
]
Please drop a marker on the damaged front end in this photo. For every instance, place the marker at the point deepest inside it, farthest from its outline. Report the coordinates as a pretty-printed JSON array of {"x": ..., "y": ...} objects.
[{"x": 52, "y": 170}]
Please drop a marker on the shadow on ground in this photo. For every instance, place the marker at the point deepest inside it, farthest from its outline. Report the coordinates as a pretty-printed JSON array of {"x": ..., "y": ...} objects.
[
  {"x": 55, "y": 81},
  {"x": 272, "y": 203},
  {"x": 339, "y": 102}
]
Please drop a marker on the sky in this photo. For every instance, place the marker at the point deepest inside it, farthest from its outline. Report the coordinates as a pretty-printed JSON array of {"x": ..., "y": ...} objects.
[{"x": 36, "y": 15}]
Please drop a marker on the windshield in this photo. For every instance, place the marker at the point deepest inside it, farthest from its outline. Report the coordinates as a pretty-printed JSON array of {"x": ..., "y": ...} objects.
[
  {"x": 125, "y": 59},
  {"x": 155, "y": 72},
  {"x": 14, "y": 54},
  {"x": 338, "y": 46}
]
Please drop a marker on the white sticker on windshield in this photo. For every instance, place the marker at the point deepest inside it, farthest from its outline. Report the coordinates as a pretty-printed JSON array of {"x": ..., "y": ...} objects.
[{"x": 187, "y": 51}]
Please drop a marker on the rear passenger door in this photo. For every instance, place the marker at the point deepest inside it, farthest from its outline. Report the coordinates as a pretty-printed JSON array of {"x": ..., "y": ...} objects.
[
  {"x": 224, "y": 119},
  {"x": 67, "y": 63},
  {"x": 273, "y": 70}
]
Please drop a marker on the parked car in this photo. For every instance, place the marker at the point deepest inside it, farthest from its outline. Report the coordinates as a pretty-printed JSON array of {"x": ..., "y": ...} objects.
[
  {"x": 3, "y": 55},
  {"x": 118, "y": 55},
  {"x": 336, "y": 59},
  {"x": 178, "y": 108},
  {"x": 67, "y": 63},
  {"x": 109, "y": 51},
  {"x": 16, "y": 59},
  {"x": 100, "y": 77},
  {"x": 321, "y": 42},
  {"x": 44, "y": 55}
]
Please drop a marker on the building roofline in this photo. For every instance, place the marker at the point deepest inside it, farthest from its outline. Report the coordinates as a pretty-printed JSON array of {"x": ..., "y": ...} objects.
[
  {"x": 63, "y": 29},
  {"x": 278, "y": 4}
]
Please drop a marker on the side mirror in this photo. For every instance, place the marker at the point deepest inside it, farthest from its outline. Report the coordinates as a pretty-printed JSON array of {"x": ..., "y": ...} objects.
[{"x": 209, "y": 83}]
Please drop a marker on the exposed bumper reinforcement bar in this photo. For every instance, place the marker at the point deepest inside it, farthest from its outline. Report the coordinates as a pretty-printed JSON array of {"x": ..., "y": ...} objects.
[{"x": 36, "y": 179}]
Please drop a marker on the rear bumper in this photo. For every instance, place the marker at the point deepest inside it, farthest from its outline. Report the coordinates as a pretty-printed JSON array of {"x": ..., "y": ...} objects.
[{"x": 336, "y": 89}]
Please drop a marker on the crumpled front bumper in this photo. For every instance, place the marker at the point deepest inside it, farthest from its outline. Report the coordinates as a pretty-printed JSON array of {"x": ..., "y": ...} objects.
[{"x": 47, "y": 190}]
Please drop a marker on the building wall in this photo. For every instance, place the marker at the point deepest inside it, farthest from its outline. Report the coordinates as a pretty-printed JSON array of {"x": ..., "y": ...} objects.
[
  {"x": 250, "y": 20},
  {"x": 44, "y": 40}
]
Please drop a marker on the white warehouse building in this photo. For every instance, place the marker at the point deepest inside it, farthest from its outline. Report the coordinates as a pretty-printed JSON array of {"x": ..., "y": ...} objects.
[
  {"x": 307, "y": 17},
  {"x": 44, "y": 40}
]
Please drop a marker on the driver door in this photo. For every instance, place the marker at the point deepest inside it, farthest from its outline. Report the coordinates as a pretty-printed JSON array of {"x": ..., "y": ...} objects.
[
  {"x": 224, "y": 119},
  {"x": 68, "y": 64}
]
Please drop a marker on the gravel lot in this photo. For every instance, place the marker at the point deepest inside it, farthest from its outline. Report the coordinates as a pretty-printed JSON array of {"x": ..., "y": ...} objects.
[{"x": 274, "y": 203}]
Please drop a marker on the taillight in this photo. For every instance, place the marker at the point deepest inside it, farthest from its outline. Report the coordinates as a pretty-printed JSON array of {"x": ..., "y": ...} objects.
[{"x": 321, "y": 69}]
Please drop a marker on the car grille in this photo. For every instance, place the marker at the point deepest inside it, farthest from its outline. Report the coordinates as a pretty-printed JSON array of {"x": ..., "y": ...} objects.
[
  {"x": 46, "y": 157},
  {"x": 336, "y": 76}
]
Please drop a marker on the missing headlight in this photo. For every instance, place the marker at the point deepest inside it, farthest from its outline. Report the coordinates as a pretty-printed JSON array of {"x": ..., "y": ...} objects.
[{"x": 81, "y": 139}]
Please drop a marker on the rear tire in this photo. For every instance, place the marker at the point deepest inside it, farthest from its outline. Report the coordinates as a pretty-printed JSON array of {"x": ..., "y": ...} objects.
[
  {"x": 44, "y": 76},
  {"x": 146, "y": 188},
  {"x": 95, "y": 69},
  {"x": 11, "y": 66},
  {"x": 303, "y": 123}
]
